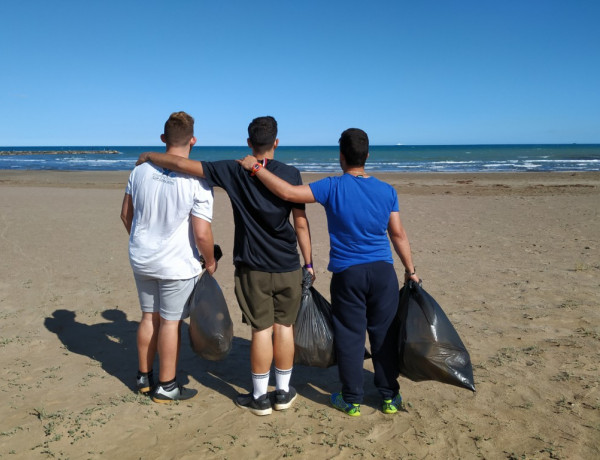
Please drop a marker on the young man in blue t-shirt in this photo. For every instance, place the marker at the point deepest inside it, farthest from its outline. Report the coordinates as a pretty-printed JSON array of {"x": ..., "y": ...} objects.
[{"x": 361, "y": 212}]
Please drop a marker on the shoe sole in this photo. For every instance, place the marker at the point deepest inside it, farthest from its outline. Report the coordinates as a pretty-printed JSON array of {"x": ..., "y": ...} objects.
[
  {"x": 286, "y": 405},
  {"x": 170, "y": 401},
  {"x": 144, "y": 391},
  {"x": 259, "y": 412},
  {"x": 355, "y": 414}
]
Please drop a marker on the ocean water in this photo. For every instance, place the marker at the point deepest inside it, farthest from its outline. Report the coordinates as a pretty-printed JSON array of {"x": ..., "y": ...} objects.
[{"x": 397, "y": 158}]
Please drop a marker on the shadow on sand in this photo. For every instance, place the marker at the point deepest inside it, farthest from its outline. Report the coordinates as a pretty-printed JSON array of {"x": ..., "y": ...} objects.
[{"x": 113, "y": 344}]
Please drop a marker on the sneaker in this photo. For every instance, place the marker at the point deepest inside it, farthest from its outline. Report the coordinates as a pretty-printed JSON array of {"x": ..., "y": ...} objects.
[
  {"x": 284, "y": 399},
  {"x": 179, "y": 393},
  {"x": 338, "y": 402},
  {"x": 144, "y": 384},
  {"x": 260, "y": 406},
  {"x": 391, "y": 406}
]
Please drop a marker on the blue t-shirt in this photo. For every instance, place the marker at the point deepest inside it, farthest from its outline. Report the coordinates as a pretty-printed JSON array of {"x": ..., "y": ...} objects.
[{"x": 358, "y": 212}]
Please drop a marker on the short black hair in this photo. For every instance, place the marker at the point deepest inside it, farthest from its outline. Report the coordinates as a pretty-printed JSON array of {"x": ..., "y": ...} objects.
[
  {"x": 354, "y": 145},
  {"x": 262, "y": 132}
]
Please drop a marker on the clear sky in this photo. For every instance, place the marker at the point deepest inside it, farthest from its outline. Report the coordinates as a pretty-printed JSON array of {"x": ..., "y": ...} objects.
[{"x": 109, "y": 72}]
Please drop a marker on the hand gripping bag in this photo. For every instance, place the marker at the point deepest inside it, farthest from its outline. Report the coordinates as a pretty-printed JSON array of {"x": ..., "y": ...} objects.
[
  {"x": 211, "y": 328},
  {"x": 429, "y": 346},
  {"x": 313, "y": 330}
]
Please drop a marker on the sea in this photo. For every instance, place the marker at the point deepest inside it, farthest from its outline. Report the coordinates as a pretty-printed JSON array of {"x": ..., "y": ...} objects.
[{"x": 325, "y": 159}]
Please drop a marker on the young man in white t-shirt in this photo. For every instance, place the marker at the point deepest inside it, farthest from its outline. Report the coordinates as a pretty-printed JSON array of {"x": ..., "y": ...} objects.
[{"x": 168, "y": 216}]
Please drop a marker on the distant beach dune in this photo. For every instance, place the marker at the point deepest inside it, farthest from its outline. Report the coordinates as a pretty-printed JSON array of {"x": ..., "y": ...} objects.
[{"x": 511, "y": 258}]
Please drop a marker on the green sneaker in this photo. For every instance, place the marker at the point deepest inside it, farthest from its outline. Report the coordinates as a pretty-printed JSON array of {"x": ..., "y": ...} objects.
[
  {"x": 391, "y": 406},
  {"x": 338, "y": 402}
]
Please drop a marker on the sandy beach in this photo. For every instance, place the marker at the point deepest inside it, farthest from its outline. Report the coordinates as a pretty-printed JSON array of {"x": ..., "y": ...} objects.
[{"x": 513, "y": 259}]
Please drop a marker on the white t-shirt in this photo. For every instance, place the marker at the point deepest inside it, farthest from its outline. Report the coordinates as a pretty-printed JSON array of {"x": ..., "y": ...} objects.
[{"x": 161, "y": 243}]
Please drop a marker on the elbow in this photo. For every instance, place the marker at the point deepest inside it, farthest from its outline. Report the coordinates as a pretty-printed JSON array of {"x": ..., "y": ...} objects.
[
  {"x": 290, "y": 194},
  {"x": 287, "y": 196}
]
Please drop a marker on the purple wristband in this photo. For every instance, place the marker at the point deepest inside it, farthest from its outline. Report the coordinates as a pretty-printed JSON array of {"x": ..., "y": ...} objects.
[{"x": 307, "y": 265}]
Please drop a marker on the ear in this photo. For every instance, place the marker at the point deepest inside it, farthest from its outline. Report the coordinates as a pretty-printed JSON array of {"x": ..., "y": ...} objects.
[
  {"x": 163, "y": 138},
  {"x": 249, "y": 143},
  {"x": 275, "y": 144},
  {"x": 193, "y": 141}
]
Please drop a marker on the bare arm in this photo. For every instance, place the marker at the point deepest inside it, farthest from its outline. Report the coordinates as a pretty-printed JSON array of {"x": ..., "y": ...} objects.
[
  {"x": 279, "y": 187},
  {"x": 173, "y": 162},
  {"x": 401, "y": 245},
  {"x": 205, "y": 242},
  {"x": 127, "y": 212},
  {"x": 303, "y": 234}
]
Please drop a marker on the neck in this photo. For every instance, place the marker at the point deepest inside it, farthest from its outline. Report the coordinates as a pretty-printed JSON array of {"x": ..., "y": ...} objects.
[
  {"x": 183, "y": 151},
  {"x": 355, "y": 171},
  {"x": 269, "y": 155}
]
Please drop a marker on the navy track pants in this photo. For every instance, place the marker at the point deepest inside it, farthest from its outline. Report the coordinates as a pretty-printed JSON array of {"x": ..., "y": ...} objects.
[{"x": 364, "y": 299}]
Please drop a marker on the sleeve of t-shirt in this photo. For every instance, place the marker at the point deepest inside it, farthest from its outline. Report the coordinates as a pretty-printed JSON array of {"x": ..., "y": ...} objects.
[
  {"x": 320, "y": 190},
  {"x": 129, "y": 187},
  {"x": 298, "y": 181},
  {"x": 218, "y": 173},
  {"x": 395, "y": 205},
  {"x": 203, "y": 201}
]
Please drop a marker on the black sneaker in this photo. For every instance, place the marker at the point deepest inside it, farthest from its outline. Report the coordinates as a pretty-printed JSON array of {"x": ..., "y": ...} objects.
[
  {"x": 144, "y": 384},
  {"x": 260, "y": 406},
  {"x": 284, "y": 399},
  {"x": 179, "y": 393}
]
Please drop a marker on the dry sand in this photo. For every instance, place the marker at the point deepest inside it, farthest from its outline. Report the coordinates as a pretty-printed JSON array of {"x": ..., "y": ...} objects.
[{"x": 513, "y": 259}]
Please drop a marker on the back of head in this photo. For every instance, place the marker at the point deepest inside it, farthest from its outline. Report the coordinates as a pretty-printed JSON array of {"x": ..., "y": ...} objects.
[
  {"x": 179, "y": 129},
  {"x": 354, "y": 145},
  {"x": 262, "y": 133}
]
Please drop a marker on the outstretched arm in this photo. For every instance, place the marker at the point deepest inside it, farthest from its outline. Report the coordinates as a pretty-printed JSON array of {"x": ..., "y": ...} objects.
[
  {"x": 303, "y": 234},
  {"x": 173, "y": 162},
  {"x": 279, "y": 187},
  {"x": 401, "y": 245}
]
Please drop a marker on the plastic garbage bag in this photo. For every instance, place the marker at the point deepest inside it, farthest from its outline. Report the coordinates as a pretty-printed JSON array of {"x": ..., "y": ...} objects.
[
  {"x": 429, "y": 346},
  {"x": 313, "y": 330},
  {"x": 211, "y": 328}
]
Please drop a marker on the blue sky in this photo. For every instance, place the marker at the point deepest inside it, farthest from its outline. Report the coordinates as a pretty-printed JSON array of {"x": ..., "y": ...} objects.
[{"x": 420, "y": 72}]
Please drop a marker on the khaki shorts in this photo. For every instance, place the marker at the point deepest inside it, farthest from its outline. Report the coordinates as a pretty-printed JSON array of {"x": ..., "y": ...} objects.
[{"x": 267, "y": 298}]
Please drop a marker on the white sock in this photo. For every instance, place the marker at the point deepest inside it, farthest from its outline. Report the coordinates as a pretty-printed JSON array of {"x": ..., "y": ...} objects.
[
  {"x": 260, "y": 382},
  {"x": 282, "y": 379}
]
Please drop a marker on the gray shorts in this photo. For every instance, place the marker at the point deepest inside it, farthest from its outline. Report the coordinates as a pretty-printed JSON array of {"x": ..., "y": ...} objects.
[{"x": 169, "y": 298}]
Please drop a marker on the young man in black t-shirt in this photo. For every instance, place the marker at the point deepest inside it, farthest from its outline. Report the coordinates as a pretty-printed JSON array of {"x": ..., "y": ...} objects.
[{"x": 268, "y": 276}]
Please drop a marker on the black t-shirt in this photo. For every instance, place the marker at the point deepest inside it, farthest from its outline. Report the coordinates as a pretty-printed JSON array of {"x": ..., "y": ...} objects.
[{"x": 265, "y": 240}]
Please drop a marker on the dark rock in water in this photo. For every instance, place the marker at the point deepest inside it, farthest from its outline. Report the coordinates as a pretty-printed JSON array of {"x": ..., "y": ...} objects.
[{"x": 58, "y": 152}]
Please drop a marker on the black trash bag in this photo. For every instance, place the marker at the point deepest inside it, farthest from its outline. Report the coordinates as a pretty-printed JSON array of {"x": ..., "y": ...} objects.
[
  {"x": 211, "y": 328},
  {"x": 429, "y": 346},
  {"x": 313, "y": 330}
]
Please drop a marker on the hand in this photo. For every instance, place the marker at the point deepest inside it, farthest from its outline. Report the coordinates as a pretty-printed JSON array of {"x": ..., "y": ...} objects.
[
  {"x": 415, "y": 278},
  {"x": 312, "y": 274},
  {"x": 211, "y": 268},
  {"x": 247, "y": 162},
  {"x": 144, "y": 157}
]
